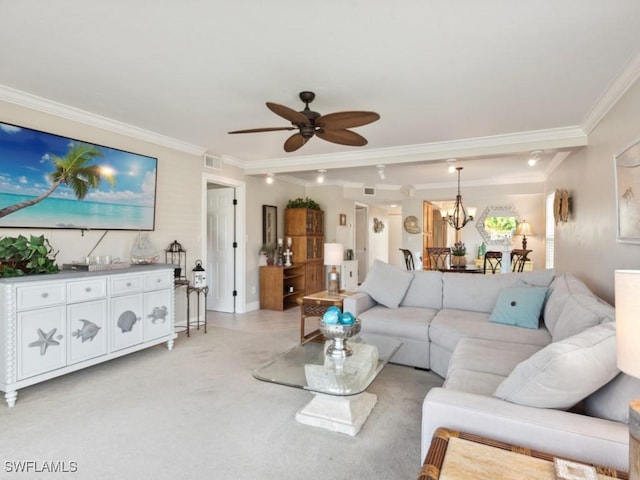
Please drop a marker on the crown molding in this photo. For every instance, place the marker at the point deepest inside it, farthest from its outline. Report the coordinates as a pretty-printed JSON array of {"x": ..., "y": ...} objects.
[
  {"x": 616, "y": 89},
  {"x": 34, "y": 102},
  {"x": 565, "y": 137}
]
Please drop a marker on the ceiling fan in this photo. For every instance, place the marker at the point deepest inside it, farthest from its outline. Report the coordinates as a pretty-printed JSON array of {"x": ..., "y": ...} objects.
[{"x": 331, "y": 127}]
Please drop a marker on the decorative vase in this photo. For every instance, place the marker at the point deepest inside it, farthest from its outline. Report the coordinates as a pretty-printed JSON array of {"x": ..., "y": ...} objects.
[
  {"x": 339, "y": 334},
  {"x": 458, "y": 261}
]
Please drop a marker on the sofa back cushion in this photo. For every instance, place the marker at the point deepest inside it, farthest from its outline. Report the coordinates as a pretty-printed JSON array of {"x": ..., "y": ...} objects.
[
  {"x": 386, "y": 284},
  {"x": 425, "y": 290},
  {"x": 479, "y": 293},
  {"x": 565, "y": 372},
  {"x": 572, "y": 308}
]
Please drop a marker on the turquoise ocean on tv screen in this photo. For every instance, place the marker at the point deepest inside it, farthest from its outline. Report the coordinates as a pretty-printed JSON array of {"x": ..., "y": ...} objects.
[{"x": 73, "y": 213}]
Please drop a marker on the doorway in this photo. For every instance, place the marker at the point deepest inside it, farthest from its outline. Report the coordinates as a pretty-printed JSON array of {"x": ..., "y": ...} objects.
[
  {"x": 434, "y": 232},
  {"x": 223, "y": 254},
  {"x": 361, "y": 240}
]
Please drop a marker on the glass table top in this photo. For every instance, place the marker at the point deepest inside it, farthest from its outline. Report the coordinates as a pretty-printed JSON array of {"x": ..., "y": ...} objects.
[{"x": 306, "y": 366}]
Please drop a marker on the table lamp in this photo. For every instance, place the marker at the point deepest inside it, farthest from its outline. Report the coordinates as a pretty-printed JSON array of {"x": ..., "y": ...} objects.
[
  {"x": 627, "y": 301},
  {"x": 333, "y": 255},
  {"x": 524, "y": 229}
]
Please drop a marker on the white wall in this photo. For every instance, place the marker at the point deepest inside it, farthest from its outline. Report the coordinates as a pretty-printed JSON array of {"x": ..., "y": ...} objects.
[{"x": 586, "y": 245}]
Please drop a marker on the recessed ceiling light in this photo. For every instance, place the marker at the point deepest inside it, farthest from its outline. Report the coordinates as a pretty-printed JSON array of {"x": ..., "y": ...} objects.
[
  {"x": 452, "y": 167},
  {"x": 269, "y": 178},
  {"x": 535, "y": 156},
  {"x": 320, "y": 178}
]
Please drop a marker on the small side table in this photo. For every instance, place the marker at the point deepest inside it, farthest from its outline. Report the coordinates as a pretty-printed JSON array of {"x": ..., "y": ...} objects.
[
  {"x": 315, "y": 305},
  {"x": 204, "y": 290}
]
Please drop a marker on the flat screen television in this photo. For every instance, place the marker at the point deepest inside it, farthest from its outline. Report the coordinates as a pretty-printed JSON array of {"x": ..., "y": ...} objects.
[{"x": 127, "y": 202}]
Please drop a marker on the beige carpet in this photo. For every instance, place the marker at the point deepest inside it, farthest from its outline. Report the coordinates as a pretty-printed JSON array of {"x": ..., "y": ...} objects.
[{"x": 197, "y": 413}]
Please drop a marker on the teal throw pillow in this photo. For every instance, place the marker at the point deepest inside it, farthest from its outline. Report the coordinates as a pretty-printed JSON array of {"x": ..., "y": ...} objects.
[{"x": 519, "y": 306}]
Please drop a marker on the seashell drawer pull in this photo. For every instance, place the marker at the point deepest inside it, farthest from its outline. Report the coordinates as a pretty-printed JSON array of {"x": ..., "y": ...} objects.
[
  {"x": 88, "y": 289},
  {"x": 44, "y": 295}
]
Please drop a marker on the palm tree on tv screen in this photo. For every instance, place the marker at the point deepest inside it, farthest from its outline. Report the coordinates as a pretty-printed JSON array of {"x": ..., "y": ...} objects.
[{"x": 74, "y": 170}]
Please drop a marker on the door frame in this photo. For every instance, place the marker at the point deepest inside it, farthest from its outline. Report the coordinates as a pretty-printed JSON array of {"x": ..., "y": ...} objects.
[
  {"x": 240, "y": 273},
  {"x": 362, "y": 273}
]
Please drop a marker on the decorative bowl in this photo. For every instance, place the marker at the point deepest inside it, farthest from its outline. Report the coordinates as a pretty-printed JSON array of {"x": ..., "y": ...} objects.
[{"x": 338, "y": 334}]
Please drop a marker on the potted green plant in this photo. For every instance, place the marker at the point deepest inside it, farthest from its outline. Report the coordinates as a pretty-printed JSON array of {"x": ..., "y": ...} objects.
[
  {"x": 26, "y": 256},
  {"x": 303, "y": 203},
  {"x": 269, "y": 251},
  {"x": 458, "y": 252}
]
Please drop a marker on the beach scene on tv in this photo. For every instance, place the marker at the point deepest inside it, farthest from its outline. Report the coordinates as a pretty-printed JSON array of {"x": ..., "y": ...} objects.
[{"x": 49, "y": 181}]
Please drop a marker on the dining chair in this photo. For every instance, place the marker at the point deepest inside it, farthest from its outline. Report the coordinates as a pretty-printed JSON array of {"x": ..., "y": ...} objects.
[
  {"x": 518, "y": 259},
  {"x": 493, "y": 260},
  {"x": 438, "y": 258},
  {"x": 408, "y": 258}
]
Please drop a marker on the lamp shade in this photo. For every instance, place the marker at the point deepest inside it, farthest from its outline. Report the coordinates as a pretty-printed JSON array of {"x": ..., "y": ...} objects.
[
  {"x": 627, "y": 300},
  {"x": 333, "y": 253},
  {"x": 524, "y": 228}
]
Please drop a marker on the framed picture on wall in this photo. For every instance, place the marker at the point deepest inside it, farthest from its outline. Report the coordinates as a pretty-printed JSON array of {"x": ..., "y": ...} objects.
[
  {"x": 269, "y": 225},
  {"x": 627, "y": 173}
]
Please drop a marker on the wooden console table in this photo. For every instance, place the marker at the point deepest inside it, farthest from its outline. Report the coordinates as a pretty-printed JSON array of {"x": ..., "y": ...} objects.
[
  {"x": 463, "y": 456},
  {"x": 315, "y": 305}
]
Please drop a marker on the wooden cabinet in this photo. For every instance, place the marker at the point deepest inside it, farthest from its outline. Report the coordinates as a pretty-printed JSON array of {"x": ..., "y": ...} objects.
[
  {"x": 306, "y": 229},
  {"x": 314, "y": 277},
  {"x": 56, "y": 324},
  {"x": 280, "y": 287},
  {"x": 303, "y": 221}
]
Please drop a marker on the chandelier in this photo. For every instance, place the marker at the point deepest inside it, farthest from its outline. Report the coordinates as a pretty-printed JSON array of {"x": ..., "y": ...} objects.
[{"x": 457, "y": 216}]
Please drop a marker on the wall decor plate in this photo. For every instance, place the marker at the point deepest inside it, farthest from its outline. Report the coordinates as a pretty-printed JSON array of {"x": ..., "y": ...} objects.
[{"x": 411, "y": 224}]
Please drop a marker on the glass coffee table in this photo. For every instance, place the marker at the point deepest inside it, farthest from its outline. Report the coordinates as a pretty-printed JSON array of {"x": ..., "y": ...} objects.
[{"x": 340, "y": 401}]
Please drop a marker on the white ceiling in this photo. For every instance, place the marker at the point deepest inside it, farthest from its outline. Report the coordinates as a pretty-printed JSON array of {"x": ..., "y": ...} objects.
[{"x": 467, "y": 79}]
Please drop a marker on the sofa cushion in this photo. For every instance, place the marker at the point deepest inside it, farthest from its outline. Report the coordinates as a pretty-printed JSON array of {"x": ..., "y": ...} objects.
[
  {"x": 537, "y": 278},
  {"x": 562, "y": 287},
  {"x": 425, "y": 290},
  {"x": 612, "y": 400},
  {"x": 479, "y": 293},
  {"x": 386, "y": 284},
  {"x": 404, "y": 322},
  {"x": 519, "y": 306},
  {"x": 579, "y": 313},
  {"x": 495, "y": 356},
  {"x": 449, "y": 326},
  {"x": 555, "y": 376}
]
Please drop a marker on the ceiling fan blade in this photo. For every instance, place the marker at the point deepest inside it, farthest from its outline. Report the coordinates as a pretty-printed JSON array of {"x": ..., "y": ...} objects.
[
  {"x": 342, "y": 120},
  {"x": 343, "y": 137},
  {"x": 288, "y": 113},
  {"x": 268, "y": 129},
  {"x": 294, "y": 142}
]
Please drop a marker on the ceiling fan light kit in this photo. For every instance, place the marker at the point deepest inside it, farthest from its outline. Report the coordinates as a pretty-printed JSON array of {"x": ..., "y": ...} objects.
[{"x": 333, "y": 127}]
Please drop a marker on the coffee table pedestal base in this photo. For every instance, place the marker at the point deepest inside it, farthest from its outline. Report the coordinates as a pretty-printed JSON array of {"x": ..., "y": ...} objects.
[{"x": 342, "y": 414}]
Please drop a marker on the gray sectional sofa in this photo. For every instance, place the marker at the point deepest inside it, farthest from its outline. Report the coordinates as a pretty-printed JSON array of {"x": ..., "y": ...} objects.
[{"x": 528, "y": 358}]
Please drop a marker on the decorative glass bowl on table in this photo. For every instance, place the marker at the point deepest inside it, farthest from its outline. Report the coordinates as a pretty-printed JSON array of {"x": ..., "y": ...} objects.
[{"x": 339, "y": 333}]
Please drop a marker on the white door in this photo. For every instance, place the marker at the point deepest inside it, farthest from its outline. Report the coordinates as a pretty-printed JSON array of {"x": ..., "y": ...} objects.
[{"x": 220, "y": 251}]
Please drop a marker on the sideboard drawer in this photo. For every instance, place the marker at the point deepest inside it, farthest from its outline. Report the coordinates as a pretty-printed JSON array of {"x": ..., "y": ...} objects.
[
  {"x": 125, "y": 285},
  {"x": 86, "y": 290},
  {"x": 157, "y": 281},
  {"x": 40, "y": 295}
]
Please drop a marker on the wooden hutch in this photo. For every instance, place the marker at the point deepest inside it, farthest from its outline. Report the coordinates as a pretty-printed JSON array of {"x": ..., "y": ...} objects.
[{"x": 280, "y": 286}]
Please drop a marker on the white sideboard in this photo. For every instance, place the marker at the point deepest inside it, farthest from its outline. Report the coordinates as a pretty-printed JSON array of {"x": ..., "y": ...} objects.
[{"x": 59, "y": 323}]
